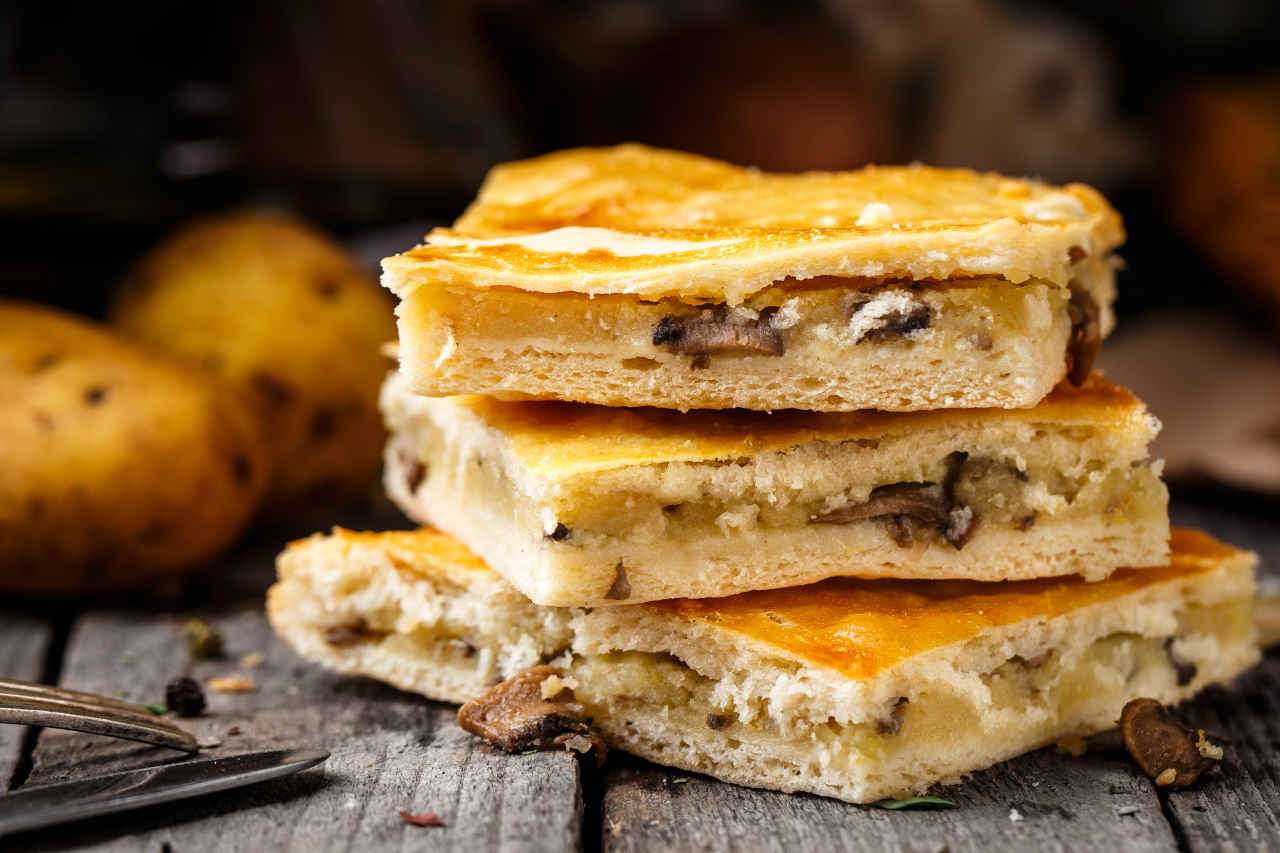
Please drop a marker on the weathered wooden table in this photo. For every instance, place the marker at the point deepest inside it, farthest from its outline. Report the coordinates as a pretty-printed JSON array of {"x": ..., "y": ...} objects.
[{"x": 391, "y": 750}]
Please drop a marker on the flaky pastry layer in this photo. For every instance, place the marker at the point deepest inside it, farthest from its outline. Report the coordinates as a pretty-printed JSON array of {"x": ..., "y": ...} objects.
[
  {"x": 657, "y": 224},
  {"x": 591, "y": 506},
  {"x": 824, "y": 345},
  {"x": 850, "y": 689}
]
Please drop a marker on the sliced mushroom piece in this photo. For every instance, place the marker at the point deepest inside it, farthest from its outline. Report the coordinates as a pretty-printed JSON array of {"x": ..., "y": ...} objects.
[
  {"x": 515, "y": 716},
  {"x": 415, "y": 471},
  {"x": 620, "y": 590},
  {"x": 891, "y": 723},
  {"x": 961, "y": 524},
  {"x": 922, "y": 501},
  {"x": 904, "y": 504},
  {"x": 349, "y": 632},
  {"x": 1166, "y": 750},
  {"x": 1086, "y": 334},
  {"x": 955, "y": 463},
  {"x": 719, "y": 334},
  {"x": 896, "y": 324},
  {"x": 716, "y": 722},
  {"x": 903, "y": 530}
]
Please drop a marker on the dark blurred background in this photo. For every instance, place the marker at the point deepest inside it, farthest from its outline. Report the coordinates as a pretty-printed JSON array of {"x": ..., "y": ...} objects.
[{"x": 122, "y": 120}]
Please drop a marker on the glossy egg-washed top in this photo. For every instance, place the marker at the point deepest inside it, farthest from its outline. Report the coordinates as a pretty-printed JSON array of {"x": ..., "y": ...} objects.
[
  {"x": 632, "y": 219},
  {"x": 861, "y": 627},
  {"x": 857, "y": 627},
  {"x": 561, "y": 440}
]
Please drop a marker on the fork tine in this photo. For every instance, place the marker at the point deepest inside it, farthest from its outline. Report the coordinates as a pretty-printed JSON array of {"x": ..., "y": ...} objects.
[
  {"x": 31, "y": 688},
  {"x": 39, "y": 705},
  {"x": 155, "y": 732},
  {"x": 123, "y": 711}
]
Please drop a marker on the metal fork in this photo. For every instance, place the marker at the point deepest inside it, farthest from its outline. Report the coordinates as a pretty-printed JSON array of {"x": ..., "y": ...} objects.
[{"x": 30, "y": 704}]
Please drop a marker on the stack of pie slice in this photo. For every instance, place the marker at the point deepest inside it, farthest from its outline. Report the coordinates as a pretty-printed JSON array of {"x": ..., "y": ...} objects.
[{"x": 802, "y": 481}]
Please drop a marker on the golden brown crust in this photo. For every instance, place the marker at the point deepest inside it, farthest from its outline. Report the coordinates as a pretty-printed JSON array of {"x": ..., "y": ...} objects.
[
  {"x": 861, "y": 628},
  {"x": 656, "y": 223},
  {"x": 560, "y": 439},
  {"x": 423, "y": 551},
  {"x": 857, "y": 627}
]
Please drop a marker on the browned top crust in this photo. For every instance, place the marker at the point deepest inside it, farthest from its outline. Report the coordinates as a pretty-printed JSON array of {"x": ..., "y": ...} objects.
[
  {"x": 655, "y": 223},
  {"x": 558, "y": 440}
]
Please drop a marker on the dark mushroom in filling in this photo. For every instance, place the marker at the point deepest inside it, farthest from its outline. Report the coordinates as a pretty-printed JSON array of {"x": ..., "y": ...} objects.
[
  {"x": 716, "y": 722},
  {"x": 905, "y": 504},
  {"x": 704, "y": 336},
  {"x": 895, "y": 324},
  {"x": 891, "y": 723},
  {"x": 621, "y": 587},
  {"x": 1086, "y": 334},
  {"x": 349, "y": 632}
]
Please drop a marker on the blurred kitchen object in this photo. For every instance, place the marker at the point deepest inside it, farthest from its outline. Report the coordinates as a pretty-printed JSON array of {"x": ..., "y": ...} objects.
[
  {"x": 1015, "y": 88},
  {"x": 362, "y": 111},
  {"x": 1220, "y": 173},
  {"x": 782, "y": 90},
  {"x": 1216, "y": 389},
  {"x": 359, "y": 116}
]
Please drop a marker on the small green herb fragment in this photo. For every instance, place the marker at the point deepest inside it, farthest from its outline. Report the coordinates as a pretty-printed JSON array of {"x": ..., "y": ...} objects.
[
  {"x": 916, "y": 802},
  {"x": 158, "y": 710},
  {"x": 204, "y": 642}
]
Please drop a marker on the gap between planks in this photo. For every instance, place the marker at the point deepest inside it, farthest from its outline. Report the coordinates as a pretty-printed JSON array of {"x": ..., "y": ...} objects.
[{"x": 25, "y": 645}]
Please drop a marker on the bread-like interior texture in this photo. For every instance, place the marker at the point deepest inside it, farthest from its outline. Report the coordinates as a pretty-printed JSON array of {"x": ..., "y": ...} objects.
[
  {"x": 892, "y": 288},
  {"x": 828, "y": 344},
  {"x": 658, "y": 224},
  {"x": 579, "y": 505},
  {"x": 851, "y": 689}
]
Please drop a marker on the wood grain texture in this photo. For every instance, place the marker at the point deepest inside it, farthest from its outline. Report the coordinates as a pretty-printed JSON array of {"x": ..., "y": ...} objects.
[
  {"x": 24, "y": 643},
  {"x": 390, "y": 750},
  {"x": 1236, "y": 809},
  {"x": 1061, "y": 804}
]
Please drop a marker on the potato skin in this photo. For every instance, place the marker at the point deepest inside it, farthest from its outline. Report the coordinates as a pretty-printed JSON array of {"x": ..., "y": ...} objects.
[
  {"x": 116, "y": 465},
  {"x": 279, "y": 311}
]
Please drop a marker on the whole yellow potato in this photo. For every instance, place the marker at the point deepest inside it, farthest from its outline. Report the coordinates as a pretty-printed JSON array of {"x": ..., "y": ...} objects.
[
  {"x": 116, "y": 464},
  {"x": 281, "y": 312}
]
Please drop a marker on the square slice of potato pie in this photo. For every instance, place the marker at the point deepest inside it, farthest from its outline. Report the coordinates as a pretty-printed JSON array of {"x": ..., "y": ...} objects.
[
  {"x": 580, "y": 505},
  {"x": 631, "y": 276},
  {"x": 847, "y": 688}
]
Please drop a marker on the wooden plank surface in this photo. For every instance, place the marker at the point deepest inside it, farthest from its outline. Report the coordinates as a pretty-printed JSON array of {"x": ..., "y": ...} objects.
[
  {"x": 390, "y": 750},
  {"x": 1238, "y": 809},
  {"x": 1063, "y": 803},
  {"x": 24, "y": 645},
  {"x": 1040, "y": 801}
]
